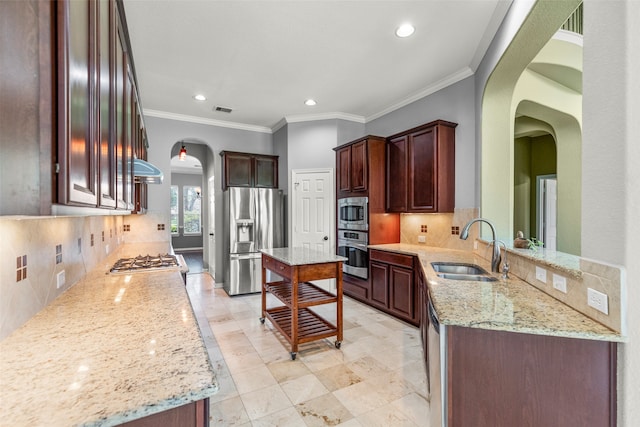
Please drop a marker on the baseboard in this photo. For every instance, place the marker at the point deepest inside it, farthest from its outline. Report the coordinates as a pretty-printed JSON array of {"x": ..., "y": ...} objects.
[{"x": 177, "y": 250}]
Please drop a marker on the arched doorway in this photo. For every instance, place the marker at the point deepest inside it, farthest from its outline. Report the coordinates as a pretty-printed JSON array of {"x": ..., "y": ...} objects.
[
  {"x": 192, "y": 207},
  {"x": 531, "y": 80}
]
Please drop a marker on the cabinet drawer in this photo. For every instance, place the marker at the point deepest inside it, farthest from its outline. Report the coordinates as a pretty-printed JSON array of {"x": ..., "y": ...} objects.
[
  {"x": 278, "y": 267},
  {"x": 391, "y": 258}
]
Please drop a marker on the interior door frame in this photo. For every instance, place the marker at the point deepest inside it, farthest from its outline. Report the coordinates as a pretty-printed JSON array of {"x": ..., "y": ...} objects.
[
  {"x": 541, "y": 200},
  {"x": 292, "y": 206}
]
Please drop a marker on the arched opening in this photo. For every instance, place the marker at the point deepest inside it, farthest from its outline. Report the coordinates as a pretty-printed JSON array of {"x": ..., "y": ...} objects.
[
  {"x": 192, "y": 207},
  {"x": 535, "y": 89}
]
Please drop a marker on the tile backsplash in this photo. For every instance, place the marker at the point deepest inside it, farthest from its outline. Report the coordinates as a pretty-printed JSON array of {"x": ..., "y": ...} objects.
[
  {"x": 54, "y": 253},
  {"x": 441, "y": 230}
]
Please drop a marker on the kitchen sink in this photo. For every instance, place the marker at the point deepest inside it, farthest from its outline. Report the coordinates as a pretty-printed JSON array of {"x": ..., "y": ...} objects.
[
  {"x": 470, "y": 277},
  {"x": 462, "y": 271}
]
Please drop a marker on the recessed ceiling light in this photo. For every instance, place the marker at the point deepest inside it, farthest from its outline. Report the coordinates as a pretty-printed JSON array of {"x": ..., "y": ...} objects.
[
  {"x": 310, "y": 102},
  {"x": 405, "y": 30},
  {"x": 200, "y": 97}
]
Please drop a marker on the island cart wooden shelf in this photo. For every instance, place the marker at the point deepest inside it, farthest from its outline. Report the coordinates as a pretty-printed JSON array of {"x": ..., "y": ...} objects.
[{"x": 294, "y": 320}]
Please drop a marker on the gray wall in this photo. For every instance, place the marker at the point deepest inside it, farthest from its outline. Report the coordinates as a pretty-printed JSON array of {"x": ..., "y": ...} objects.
[
  {"x": 455, "y": 104},
  {"x": 280, "y": 149},
  {"x": 163, "y": 134},
  {"x": 610, "y": 173}
]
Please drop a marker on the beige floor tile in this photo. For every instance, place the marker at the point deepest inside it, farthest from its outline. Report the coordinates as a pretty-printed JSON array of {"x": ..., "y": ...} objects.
[
  {"x": 256, "y": 378},
  {"x": 303, "y": 388},
  {"x": 415, "y": 407},
  {"x": 378, "y": 373},
  {"x": 361, "y": 398},
  {"x": 337, "y": 377},
  {"x": 229, "y": 412},
  {"x": 386, "y": 416},
  {"x": 287, "y": 370},
  {"x": 288, "y": 417},
  {"x": 367, "y": 367},
  {"x": 325, "y": 410},
  {"x": 264, "y": 402}
]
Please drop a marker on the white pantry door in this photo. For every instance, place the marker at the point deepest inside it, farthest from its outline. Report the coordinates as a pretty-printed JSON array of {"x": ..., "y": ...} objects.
[
  {"x": 312, "y": 212},
  {"x": 312, "y": 209}
]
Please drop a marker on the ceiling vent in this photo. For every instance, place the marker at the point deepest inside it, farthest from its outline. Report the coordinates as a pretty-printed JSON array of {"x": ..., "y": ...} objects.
[{"x": 223, "y": 109}]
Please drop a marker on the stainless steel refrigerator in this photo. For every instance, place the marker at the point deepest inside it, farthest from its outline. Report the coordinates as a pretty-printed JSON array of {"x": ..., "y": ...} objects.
[{"x": 253, "y": 220}]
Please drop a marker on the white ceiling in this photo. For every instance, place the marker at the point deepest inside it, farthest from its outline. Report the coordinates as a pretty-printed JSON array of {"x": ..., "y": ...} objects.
[{"x": 264, "y": 58}]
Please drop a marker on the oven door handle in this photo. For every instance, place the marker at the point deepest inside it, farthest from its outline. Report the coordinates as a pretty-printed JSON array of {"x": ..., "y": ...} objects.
[{"x": 356, "y": 245}]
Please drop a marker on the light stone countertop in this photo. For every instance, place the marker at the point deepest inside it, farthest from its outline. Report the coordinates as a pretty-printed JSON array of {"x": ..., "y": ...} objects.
[
  {"x": 512, "y": 305},
  {"x": 302, "y": 256},
  {"x": 111, "y": 349}
]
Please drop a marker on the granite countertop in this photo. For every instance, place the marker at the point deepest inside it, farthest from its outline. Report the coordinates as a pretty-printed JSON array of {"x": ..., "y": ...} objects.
[
  {"x": 111, "y": 349},
  {"x": 505, "y": 305},
  {"x": 302, "y": 256}
]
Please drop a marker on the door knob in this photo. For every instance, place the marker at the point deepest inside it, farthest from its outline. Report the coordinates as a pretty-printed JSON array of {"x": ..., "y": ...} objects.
[{"x": 325, "y": 238}]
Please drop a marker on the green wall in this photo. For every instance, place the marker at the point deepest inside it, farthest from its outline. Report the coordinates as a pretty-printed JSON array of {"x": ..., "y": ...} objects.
[{"x": 532, "y": 157}]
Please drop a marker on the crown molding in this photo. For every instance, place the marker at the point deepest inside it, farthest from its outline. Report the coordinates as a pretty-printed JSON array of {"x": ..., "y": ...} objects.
[
  {"x": 324, "y": 116},
  {"x": 439, "y": 85},
  {"x": 204, "y": 121}
]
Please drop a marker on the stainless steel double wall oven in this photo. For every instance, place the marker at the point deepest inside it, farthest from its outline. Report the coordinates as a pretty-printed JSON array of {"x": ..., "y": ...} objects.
[{"x": 353, "y": 235}]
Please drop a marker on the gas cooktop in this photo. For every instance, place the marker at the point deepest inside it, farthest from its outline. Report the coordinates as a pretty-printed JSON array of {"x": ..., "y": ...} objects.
[{"x": 145, "y": 263}]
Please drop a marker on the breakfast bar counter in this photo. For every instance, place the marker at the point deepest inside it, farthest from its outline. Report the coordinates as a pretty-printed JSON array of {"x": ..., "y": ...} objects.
[{"x": 112, "y": 349}]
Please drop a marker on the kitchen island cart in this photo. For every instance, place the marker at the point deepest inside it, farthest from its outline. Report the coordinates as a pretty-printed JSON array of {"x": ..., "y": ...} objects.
[{"x": 295, "y": 320}]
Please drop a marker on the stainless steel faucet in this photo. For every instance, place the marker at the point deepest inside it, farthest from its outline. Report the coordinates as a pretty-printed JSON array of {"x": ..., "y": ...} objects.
[
  {"x": 505, "y": 265},
  {"x": 495, "y": 258}
]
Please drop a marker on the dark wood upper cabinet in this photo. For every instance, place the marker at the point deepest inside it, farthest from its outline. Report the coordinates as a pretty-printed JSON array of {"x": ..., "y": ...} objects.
[
  {"x": 421, "y": 169},
  {"x": 107, "y": 156},
  {"x": 354, "y": 161},
  {"x": 266, "y": 171},
  {"x": 78, "y": 134},
  {"x": 98, "y": 121},
  {"x": 249, "y": 170}
]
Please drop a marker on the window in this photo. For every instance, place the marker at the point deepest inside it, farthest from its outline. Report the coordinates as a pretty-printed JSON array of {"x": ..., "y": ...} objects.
[
  {"x": 174, "y": 209},
  {"x": 191, "y": 209}
]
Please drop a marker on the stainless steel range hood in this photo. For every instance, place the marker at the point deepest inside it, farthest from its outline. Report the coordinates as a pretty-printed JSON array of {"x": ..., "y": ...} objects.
[{"x": 146, "y": 173}]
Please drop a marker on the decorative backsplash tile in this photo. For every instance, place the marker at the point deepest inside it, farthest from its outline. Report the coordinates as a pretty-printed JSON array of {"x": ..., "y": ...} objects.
[
  {"x": 39, "y": 250},
  {"x": 438, "y": 228},
  {"x": 45, "y": 242}
]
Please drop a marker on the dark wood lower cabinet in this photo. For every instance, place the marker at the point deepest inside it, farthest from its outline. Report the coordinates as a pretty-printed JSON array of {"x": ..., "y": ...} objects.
[
  {"x": 505, "y": 379},
  {"x": 194, "y": 414},
  {"x": 392, "y": 285}
]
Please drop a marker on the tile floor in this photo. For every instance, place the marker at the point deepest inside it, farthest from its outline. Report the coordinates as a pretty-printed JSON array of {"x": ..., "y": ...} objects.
[{"x": 376, "y": 378}]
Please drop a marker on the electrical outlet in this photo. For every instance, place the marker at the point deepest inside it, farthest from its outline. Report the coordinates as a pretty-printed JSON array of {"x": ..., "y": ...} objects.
[
  {"x": 106, "y": 249},
  {"x": 475, "y": 244},
  {"x": 560, "y": 283},
  {"x": 598, "y": 300},
  {"x": 60, "y": 279},
  {"x": 422, "y": 239},
  {"x": 541, "y": 274}
]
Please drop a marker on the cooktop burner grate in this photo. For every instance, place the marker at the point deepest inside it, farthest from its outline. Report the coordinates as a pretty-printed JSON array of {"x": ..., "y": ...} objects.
[{"x": 145, "y": 262}]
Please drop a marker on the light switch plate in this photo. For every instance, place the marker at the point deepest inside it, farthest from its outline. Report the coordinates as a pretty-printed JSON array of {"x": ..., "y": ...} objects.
[
  {"x": 541, "y": 274},
  {"x": 60, "y": 279},
  {"x": 560, "y": 283},
  {"x": 422, "y": 239}
]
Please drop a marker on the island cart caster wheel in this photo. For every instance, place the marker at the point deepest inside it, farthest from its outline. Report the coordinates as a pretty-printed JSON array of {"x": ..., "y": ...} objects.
[
  {"x": 338, "y": 344},
  {"x": 262, "y": 320},
  {"x": 293, "y": 355}
]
